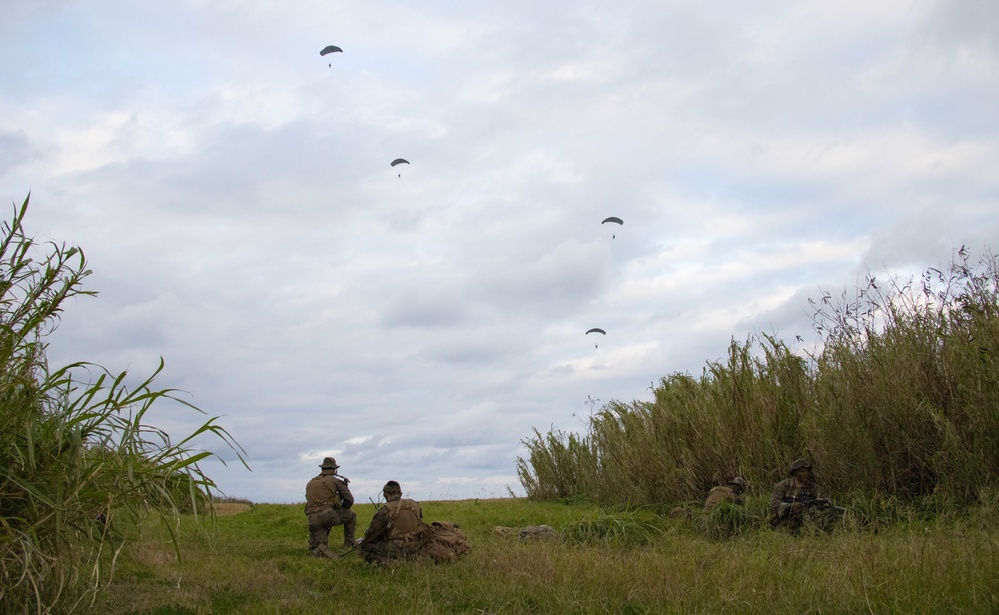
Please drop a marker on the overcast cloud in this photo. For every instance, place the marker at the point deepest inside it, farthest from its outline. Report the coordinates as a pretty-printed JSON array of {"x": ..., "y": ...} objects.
[{"x": 232, "y": 191}]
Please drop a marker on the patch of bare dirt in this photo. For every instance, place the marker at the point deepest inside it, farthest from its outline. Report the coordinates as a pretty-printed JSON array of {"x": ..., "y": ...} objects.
[{"x": 227, "y": 509}]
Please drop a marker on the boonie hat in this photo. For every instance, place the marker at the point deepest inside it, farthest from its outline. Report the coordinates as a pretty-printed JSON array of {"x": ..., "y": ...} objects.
[
  {"x": 329, "y": 464},
  {"x": 798, "y": 464}
]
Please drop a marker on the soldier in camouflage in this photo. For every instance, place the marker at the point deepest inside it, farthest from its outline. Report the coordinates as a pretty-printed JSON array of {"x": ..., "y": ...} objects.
[
  {"x": 788, "y": 501},
  {"x": 327, "y": 504},
  {"x": 730, "y": 492},
  {"x": 397, "y": 531}
]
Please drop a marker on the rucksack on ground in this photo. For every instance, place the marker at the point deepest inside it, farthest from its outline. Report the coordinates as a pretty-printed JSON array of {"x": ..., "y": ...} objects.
[{"x": 446, "y": 541}]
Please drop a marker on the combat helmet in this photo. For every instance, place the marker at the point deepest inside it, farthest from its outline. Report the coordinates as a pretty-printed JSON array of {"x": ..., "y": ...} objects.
[{"x": 740, "y": 482}]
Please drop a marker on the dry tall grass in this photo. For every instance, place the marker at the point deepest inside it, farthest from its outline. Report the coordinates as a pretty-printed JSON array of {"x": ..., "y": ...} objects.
[{"x": 900, "y": 401}]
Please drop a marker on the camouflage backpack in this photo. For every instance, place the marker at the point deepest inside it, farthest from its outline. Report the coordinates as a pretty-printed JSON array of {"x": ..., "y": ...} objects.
[{"x": 446, "y": 542}]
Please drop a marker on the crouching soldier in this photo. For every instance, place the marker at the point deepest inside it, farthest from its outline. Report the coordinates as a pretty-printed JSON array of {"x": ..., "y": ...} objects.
[
  {"x": 327, "y": 504},
  {"x": 397, "y": 532},
  {"x": 799, "y": 498},
  {"x": 730, "y": 492},
  {"x": 397, "y": 529}
]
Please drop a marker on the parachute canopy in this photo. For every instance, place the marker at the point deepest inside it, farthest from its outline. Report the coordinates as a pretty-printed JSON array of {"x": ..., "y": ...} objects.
[
  {"x": 613, "y": 219},
  {"x": 329, "y": 49},
  {"x": 399, "y": 161},
  {"x": 596, "y": 330}
]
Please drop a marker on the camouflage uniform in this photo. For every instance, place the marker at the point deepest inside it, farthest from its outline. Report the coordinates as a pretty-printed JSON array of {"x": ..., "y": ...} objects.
[
  {"x": 327, "y": 504},
  {"x": 730, "y": 492},
  {"x": 397, "y": 530},
  {"x": 781, "y": 511},
  {"x": 719, "y": 494}
]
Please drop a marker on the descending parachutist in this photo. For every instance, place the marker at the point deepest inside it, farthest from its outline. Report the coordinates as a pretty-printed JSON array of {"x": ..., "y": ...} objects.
[
  {"x": 328, "y": 49},
  {"x": 399, "y": 161}
]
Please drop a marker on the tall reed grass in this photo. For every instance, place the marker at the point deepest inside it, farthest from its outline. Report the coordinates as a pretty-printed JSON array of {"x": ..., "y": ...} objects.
[
  {"x": 77, "y": 459},
  {"x": 899, "y": 401}
]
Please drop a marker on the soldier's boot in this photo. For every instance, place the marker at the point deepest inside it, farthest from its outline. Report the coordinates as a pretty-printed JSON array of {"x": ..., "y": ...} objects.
[
  {"x": 318, "y": 536},
  {"x": 322, "y": 551}
]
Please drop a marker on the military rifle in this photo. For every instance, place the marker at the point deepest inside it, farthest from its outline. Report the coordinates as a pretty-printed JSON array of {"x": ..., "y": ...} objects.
[
  {"x": 360, "y": 541},
  {"x": 382, "y": 531},
  {"x": 352, "y": 548},
  {"x": 809, "y": 501}
]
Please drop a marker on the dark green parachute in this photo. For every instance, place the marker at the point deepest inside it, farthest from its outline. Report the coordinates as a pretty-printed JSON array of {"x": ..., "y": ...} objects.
[
  {"x": 596, "y": 330},
  {"x": 399, "y": 161},
  {"x": 613, "y": 219},
  {"x": 329, "y": 49}
]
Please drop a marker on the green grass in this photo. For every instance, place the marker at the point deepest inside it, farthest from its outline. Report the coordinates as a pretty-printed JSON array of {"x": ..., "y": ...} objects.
[
  {"x": 607, "y": 561},
  {"x": 78, "y": 457}
]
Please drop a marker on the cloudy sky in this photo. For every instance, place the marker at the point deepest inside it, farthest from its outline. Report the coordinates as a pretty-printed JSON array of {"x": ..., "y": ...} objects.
[{"x": 233, "y": 194}]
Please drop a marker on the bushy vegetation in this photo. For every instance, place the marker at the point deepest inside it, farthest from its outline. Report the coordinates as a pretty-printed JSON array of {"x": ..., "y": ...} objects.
[
  {"x": 899, "y": 403},
  {"x": 78, "y": 460}
]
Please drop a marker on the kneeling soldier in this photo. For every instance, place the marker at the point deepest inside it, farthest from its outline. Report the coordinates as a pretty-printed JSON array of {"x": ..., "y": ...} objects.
[
  {"x": 327, "y": 503},
  {"x": 798, "y": 498}
]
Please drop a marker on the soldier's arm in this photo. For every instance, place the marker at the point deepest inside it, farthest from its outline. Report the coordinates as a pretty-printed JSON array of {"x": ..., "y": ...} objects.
[
  {"x": 775, "y": 498},
  {"x": 777, "y": 505},
  {"x": 346, "y": 497},
  {"x": 378, "y": 524}
]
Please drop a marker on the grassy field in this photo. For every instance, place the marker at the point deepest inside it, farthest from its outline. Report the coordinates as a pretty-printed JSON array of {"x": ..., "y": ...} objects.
[
  {"x": 897, "y": 408},
  {"x": 606, "y": 561}
]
